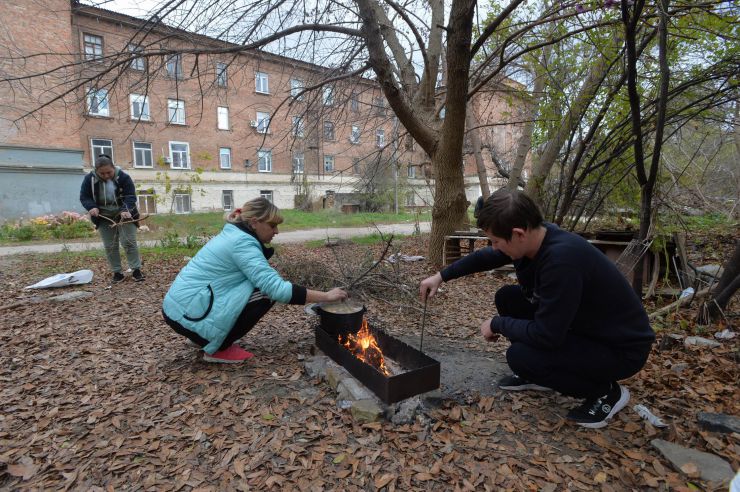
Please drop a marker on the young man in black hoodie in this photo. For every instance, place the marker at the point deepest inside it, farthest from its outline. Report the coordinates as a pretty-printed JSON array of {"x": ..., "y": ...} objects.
[
  {"x": 109, "y": 192},
  {"x": 574, "y": 322}
]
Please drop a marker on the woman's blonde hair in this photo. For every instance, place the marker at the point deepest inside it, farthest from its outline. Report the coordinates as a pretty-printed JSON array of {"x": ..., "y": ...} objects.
[{"x": 260, "y": 208}]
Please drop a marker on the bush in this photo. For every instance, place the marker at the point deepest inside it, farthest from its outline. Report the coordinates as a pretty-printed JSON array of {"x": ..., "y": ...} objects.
[{"x": 67, "y": 225}]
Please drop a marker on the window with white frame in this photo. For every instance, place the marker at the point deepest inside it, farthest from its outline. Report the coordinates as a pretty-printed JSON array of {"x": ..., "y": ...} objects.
[
  {"x": 380, "y": 138},
  {"x": 410, "y": 199},
  {"x": 379, "y": 104},
  {"x": 328, "y": 130},
  {"x": 328, "y": 95},
  {"x": 101, "y": 146},
  {"x": 411, "y": 171},
  {"x": 328, "y": 163},
  {"x": 179, "y": 155},
  {"x": 176, "y": 111},
  {"x": 263, "y": 122},
  {"x": 266, "y": 194},
  {"x": 355, "y": 166},
  {"x": 182, "y": 203},
  {"x": 224, "y": 157},
  {"x": 97, "y": 102},
  {"x": 139, "y": 62},
  {"x": 227, "y": 199},
  {"x": 139, "y": 107},
  {"x": 354, "y": 137},
  {"x": 354, "y": 102},
  {"x": 261, "y": 83},
  {"x": 147, "y": 202},
  {"x": 174, "y": 66},
  {"x": 93, "y": 46},
  {"x": 296, "y": 86},
  {"x": 222, "y": 75},
  {"x": 299, "y": 162},
  {"x": 264, "y": 161},
  {"x": 223, "y": 118},
  {"x": 143, "y": 154},
  {"x": 298, "y": 129}
]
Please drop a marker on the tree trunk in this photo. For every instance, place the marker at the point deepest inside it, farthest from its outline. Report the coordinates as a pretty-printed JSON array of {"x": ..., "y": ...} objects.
[
  {"x": 541, "y": 166},
  {"x": 450, "y": 202},
  {"x": 525, "y": 142},
  {"x": 480, "y": 166},
  {"x": 728, "y": 284}
]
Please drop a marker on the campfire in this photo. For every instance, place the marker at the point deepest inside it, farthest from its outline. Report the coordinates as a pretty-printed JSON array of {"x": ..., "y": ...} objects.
[{"x": 364, "y": 346}]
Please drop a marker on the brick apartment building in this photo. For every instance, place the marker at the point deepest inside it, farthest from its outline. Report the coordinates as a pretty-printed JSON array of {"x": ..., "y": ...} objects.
[{"x": 197, "y": 132}]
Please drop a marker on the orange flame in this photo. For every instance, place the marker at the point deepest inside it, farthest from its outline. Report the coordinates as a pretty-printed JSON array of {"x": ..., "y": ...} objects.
[{"x": 364, "y": 346}]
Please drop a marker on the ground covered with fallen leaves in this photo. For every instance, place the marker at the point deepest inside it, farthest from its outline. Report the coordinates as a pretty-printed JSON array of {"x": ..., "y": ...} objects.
[{"x": 99, "y": 394}]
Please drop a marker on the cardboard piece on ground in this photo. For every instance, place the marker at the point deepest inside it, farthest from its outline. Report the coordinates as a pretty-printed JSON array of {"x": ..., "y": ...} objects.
[{"x": 64, "y": 280}]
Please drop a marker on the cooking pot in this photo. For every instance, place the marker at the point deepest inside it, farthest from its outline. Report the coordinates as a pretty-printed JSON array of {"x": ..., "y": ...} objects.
[{"x": 340, "y": 318}]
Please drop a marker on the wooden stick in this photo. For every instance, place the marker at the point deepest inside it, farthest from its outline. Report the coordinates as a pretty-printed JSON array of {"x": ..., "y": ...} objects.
[{"x": 680, "y": 302}]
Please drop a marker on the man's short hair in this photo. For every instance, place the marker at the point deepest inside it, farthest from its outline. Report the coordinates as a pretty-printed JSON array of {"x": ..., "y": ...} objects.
[
  {"x": 508, "y": 209},
  {"x": 103, "y": 160}
]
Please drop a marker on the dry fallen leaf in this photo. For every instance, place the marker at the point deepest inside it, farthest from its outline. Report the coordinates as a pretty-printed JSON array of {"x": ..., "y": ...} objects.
[{"x": 690, "y": 469}]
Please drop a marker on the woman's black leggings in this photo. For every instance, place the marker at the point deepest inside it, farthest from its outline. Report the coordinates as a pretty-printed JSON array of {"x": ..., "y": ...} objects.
[{"x": 255, "y": 309}]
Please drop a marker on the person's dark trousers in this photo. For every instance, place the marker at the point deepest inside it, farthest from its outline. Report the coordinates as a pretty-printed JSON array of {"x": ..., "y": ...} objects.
[
  {"x": 250, "y": 315},
  {"x": 581, "y": 367}
]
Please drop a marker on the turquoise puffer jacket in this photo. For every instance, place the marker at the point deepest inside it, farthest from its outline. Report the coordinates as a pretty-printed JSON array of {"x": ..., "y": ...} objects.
[{"x": 211, "y": 291}]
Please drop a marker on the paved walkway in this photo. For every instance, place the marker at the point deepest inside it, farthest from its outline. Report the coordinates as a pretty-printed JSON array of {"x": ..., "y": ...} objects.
[{"x": 281, "y": 238}]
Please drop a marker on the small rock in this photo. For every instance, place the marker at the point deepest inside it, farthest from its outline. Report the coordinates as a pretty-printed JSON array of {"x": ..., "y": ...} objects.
[
  {"x": 679, "y": 368},
  {"x": 406, "y": 411},
  {"x": 315, "y": 366},
  {"x": 719, "y": 422},
  {"x": 351, "y": 389},
  {"x": 711, "y": 270},
  {"x": 711, "y": 467},
  {"x": 334, "y": 375},
  {"x": 71, "y": 296},
  {"x": 705, "y": 342},
  {"x": 366, "y": 411}
]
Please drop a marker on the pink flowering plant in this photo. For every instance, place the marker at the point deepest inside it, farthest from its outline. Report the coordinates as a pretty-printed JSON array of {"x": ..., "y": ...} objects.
[{"x": 65, "y": 225}]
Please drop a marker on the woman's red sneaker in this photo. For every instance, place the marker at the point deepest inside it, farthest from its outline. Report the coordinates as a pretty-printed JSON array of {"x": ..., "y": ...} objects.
[{"x": 232, "y": 355}]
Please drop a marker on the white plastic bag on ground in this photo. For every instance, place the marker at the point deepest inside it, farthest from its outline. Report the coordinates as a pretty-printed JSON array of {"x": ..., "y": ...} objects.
[{"x": 64, "y": 280}]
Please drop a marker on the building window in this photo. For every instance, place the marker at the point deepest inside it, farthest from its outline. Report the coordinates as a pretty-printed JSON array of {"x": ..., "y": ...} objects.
[
  {"x": 263, "y": 122},
  {"x": 227, "y": 199},
  {"x": 224, "y": 157},
  {"x": 97, "y": 102},
  {"x": 223, "y": 118},
  {"x": 222, "y": 76},
  {"x": 266, "y": 194},
  {"x": 296, "y": 86},
  {"x": 264, "y": 161},
  {"x": 101, "y": 146},
  {"x": 355, "y": 166},
  {"x": 299, "y": 162},
  {"x": 298, "y": 130},
  {"x": 182, "y": 203},
  {"x": 139, "y": 107},
  {"x": 174, "y": 66},
  {"x": 411, "y": 171},
  {"x": 180, "y": 155},
  {"x": 355, "y": 135},
  {"x": 93, "y": 47},
  {"x": 328, "y": 95},
  {"x": 328, "y": 163},
  {"x": 328, "y": 130},
  {"x": 176, "y": 111},
  {"x": 409, "y": 143},
  {"x": 410, "y": 199},
  {"x": 380, "y": 138},
  {"x": 143, "y": 155},
  {"x": 138, "y": 62},
  {"x": 354, "y": 102},
  {"x": 147, "y": 203},
  {"x": 261, "y": 83},
  {"x": 379, "y": 104}
]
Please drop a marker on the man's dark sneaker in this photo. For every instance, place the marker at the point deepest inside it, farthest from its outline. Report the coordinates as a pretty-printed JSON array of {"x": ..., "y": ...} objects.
[
  {"x": 117, "y": 277},
  {"x": 137, "y": 275},
  {"x": 595, "y": 412},
  {"x": 515, "y": 383}
]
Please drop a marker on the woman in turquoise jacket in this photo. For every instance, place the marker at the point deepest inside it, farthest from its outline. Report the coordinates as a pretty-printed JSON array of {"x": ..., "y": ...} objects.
[{"x": 229, "y": 285}]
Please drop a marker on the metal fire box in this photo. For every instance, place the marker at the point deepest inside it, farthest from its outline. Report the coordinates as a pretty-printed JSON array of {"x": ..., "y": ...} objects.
[{"x": 421, "y": 371}]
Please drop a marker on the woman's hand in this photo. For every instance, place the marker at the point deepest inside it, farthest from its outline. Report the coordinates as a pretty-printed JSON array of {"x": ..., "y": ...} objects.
[
  {"x": 336, "y": 294},
  {"x": 93, "y": 212}
]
